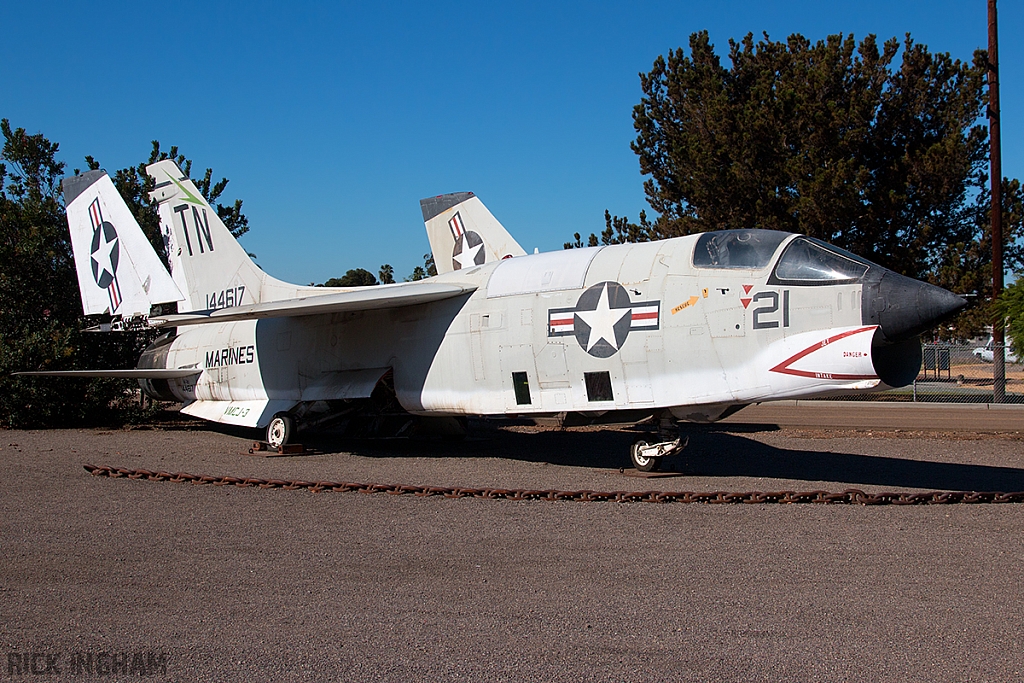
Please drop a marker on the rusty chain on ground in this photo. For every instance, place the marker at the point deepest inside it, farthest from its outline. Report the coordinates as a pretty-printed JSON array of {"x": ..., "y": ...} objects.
[{"x": 847, "y": 497}]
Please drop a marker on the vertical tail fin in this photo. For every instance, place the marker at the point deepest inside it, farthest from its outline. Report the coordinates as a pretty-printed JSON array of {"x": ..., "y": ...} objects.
[
  {"x": 208, "y": 264},
  {"x": 118, "y": 271},
  {"x": 463, "y": 233}
]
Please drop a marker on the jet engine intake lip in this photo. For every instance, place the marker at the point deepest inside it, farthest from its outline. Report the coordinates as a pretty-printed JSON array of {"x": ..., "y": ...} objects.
[{"x": 897, "y": 364}]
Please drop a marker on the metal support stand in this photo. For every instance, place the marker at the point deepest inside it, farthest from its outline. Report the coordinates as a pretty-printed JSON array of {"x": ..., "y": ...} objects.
[{"x": 264, "y": 449}]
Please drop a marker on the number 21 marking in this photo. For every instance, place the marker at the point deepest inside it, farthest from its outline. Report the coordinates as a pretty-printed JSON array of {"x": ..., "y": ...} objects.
[{"x": 770, "y": 308}]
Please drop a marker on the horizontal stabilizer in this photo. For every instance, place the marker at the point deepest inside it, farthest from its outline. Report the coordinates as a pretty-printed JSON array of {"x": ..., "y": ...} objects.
[
  {"x": 361, "y": 299},
  {"x": 134, "y": 373}
]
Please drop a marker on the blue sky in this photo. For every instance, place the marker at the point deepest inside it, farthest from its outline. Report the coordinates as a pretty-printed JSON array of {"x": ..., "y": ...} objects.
[{"x": 333, "y": 120}]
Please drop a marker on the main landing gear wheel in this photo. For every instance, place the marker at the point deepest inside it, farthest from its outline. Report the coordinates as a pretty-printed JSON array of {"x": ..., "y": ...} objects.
[
  {"x": 280, "y": 430},
  {"x": 641, "y": 462}
]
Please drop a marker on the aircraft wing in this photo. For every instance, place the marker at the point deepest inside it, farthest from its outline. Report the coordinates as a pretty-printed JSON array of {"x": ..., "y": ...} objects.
[
  {"x": 361, "y": 299},
  {"x": 134, "y": 373}
]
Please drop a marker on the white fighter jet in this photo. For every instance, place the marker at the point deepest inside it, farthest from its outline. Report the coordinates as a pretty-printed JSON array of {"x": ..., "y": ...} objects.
[{"x": 692, "y": 328}]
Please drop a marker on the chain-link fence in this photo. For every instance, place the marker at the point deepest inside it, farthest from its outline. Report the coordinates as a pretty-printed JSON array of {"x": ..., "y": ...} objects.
[{"x": 958, "y": 373}]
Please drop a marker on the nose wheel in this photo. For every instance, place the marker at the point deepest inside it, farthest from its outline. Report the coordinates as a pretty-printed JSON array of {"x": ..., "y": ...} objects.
[
  {"x": 647, "y": 457},
  {"x": 280, "y": 430},
  {"x": 641, "y": 461}
]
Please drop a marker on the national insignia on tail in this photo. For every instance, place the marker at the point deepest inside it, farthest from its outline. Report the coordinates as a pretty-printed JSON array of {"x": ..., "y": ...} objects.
[
  {"x": 469, "y": 248},
  {"x": 105, "y": 254}
]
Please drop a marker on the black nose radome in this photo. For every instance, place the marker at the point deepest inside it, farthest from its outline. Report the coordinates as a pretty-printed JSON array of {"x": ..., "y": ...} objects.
[{"x": 903, "y": 307}]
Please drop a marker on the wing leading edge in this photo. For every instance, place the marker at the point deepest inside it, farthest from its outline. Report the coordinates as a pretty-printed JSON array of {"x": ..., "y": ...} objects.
[
  {"x": 362, "y": 299},
  {"x": 134, "y": 373}
]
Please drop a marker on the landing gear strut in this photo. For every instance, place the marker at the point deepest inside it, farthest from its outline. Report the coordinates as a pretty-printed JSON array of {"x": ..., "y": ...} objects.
[
  {"x": 647, "y": 457},
  {"x": 280, "y": 430},
  {"x": 641, "y": 461}
]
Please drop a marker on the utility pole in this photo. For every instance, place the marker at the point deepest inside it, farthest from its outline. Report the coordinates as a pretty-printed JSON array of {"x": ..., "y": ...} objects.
[{"x": 996, "y": 171}]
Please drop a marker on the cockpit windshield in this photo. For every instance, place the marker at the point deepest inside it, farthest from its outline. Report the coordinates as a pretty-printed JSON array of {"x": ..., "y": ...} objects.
[
  {"x": 737, "y": 248},
  {"x": 809, "y": 261}
]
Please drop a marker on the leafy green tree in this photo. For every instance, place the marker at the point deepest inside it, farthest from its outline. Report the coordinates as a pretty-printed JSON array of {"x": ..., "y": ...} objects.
[
  {"x": 967, "y": 266},
  {"x": 41, "y": 318},
  {"x": 879, "y": 149},
  {"x": 354, "y": 277},
  {"x": 387, "y": 274},
  {"x": 40, "y": 311},
  {"x": 428, "y": 269},
  {"x": 1010, "y": 308},
  {"x": 134, "y": 185},
  {"x": 577, "y": 242}
]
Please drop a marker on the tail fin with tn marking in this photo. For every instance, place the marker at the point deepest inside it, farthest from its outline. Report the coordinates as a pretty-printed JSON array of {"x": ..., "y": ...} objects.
[{"x": 208, "y": 264}]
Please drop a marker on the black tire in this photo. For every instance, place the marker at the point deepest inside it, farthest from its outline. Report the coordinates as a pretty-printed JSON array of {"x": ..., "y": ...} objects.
[
  {"x": 641, "y": 463},
  {"x": 280, "y": 430}
]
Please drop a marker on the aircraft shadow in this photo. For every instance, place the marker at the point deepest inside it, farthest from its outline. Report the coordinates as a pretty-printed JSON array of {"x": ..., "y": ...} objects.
[
  {"x": 717, "y": 450},
  {"x": 712, "y": 452},
  {"x": 718, "y": 454}
]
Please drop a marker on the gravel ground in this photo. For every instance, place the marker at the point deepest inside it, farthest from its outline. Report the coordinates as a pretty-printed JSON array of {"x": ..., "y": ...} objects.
[{"x": 254, "y": 584}]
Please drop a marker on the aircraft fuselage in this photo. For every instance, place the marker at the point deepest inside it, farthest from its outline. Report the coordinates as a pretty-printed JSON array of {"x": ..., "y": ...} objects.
[{"x": 633, "y": 327}]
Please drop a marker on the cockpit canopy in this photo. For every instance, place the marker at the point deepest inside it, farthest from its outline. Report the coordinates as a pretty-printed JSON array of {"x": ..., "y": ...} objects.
[
  {"x": 804, "y": 261},
  {"x": 737, "y": 248},
  {"x": 808, "y": 261}
]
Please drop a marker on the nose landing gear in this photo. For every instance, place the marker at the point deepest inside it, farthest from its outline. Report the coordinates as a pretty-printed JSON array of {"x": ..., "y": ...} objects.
[{"x": 647, "y": 457}]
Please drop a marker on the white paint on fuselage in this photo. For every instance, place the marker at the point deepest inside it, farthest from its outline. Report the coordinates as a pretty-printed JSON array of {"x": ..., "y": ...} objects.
[{"x": 719, "y": 333}]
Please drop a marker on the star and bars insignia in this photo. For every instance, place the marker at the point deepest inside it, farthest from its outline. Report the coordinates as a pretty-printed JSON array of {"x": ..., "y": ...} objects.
[
  {"x": 469, "y": 247},
  {"x": 105, "y": 253},
  {"x": 602, "y": 318}
]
